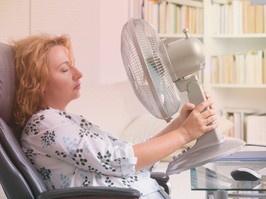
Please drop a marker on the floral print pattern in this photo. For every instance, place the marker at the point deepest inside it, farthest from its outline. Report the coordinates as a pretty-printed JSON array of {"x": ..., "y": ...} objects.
[{"x": 68, "y": 150}]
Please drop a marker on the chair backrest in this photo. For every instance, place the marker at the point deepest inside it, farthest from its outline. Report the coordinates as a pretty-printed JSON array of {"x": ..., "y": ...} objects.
[
  {"x": 13, "y": 183},
  {"x": 18, "y": 177},
  {"x": 7, "y": 82}
]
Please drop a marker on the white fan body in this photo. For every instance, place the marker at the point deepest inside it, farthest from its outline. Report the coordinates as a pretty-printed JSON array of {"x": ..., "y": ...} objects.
[{"x": 181, "y": 59}]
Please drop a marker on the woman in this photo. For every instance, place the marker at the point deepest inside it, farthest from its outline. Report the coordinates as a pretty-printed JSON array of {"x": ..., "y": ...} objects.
[{"x": 70, "y": 151}]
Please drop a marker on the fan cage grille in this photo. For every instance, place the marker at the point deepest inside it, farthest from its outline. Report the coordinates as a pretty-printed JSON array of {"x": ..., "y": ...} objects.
[{"x": 147, "y": 69}]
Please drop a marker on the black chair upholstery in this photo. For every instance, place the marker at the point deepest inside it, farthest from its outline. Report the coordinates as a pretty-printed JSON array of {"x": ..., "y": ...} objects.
[
  {"x": 18, "y": 178},
  {"x": 7, "y": 82},
  {"x": 34, "y": 186}
]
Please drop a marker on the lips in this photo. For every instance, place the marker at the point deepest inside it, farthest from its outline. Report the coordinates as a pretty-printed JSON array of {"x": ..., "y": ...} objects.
[{"x": 77, "y": 86}]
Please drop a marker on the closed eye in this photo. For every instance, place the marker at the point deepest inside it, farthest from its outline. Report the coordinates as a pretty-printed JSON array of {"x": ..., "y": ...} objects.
[
  {"x": 64, "y": 67},
  {"x": 64, "y": 70}
]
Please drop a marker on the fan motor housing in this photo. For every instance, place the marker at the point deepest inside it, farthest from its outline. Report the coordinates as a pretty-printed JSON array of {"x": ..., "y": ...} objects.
[{"x": 186, "y": 56}]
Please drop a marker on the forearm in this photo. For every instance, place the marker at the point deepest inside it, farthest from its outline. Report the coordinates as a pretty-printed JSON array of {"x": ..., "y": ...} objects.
[
  {"x": 171, "y": 127},
  {"x": 157, "y": 148}
]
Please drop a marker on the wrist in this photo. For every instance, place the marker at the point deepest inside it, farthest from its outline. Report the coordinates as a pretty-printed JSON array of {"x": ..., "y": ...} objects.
[{"x": 184, "y": 134}]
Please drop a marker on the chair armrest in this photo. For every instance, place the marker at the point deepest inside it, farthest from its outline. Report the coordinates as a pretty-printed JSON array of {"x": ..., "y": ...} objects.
[
  {"x": 162, "y": 180},
  {"x": 91, "y": 193}
]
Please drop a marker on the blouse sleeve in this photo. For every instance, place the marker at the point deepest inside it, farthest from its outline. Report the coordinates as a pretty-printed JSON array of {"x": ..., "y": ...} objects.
[{"x": 76, "y": 141}]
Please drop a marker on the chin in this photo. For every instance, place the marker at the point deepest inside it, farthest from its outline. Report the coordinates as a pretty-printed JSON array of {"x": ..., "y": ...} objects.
[{"x": 76, "y": 96}]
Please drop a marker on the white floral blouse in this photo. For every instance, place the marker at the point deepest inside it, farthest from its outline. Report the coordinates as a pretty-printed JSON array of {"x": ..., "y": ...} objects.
[{"x": 69, "y": 151}]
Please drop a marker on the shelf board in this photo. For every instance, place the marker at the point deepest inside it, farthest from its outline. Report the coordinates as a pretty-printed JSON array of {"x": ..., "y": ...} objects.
[
  {"x": 180, "y": 35},
  {"x": 239, "y": 36},
  {"x": 193, "y": 3},
  {"x": 238, "y": 86}
]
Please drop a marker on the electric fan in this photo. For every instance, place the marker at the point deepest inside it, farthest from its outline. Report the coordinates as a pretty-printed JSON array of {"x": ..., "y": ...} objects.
[{"x": 157, "y": 71}]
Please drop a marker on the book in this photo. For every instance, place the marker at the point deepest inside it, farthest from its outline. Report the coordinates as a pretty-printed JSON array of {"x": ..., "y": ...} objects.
[
  {"x": 214, "y": 69},
  {"x": 259, "y": 67},
  {"x": 245, "y": 16},
  {"x": 135, "y": 8},
  {"x": 264, "y": 20},
  {"x": 171, "y": 18},
  {"x": 215, "y": 11},
  {"x": 250, "y": 18},
  {"x": 155, "y": 16},
  {"x": 264, "y": 67},
  {"x": 162, "y": 17},
  {"x": 238, "y": 116},
  {"x": 256, "y": 129},
  {"x": 237, "y": 16},
  {"x": 250, "y": 60},
  {"x": 259, "y": 18},
  {"x": 240, "y": 69}
]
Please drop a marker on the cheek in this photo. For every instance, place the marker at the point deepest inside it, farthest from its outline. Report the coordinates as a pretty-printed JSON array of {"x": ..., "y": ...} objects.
[
  {"x": 62, "y": 89},
  {"x": 58, "y": 85}
]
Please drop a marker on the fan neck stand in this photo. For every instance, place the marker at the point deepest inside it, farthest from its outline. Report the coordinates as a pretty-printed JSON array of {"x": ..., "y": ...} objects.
[
  {"x": 196, "y": 96},
  {"x": 209, "y": 147}
]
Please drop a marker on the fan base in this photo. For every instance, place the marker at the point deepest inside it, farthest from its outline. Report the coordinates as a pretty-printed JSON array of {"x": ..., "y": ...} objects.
[{"x": 199, "y": 155}]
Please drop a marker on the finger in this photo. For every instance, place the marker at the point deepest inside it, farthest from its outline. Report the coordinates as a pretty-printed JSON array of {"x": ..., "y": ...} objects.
[
  {"x": 211, "y": 104},
  {"x": 189, "y": 106},
  {"x": 202, "y": 106},
  {"x": 207, "y": 113},
  {"x": 207, "y": 95},
  {"x": 211, "y": 126},
  {"x": 205, "y": 121},
  {"x": 208, "y": 98},
  {"x": 210, "y": 120}
]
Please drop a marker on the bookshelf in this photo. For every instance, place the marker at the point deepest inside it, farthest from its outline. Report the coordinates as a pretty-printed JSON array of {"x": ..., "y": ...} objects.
[
  {"x": 242, "y": 83},
  {"x": 170, "y": 16},
  {"x": 226, "y": 35}
]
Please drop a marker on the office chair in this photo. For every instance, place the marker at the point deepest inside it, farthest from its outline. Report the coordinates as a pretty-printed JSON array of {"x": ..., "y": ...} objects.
[{"x": 18, "y": 177}]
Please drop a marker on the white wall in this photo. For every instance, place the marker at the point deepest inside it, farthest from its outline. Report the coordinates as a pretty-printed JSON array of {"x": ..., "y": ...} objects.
[
  {"x": 14, "y": 19},
  {"x": 113, "y": 15},
  {"x": 94, "y": 26}
]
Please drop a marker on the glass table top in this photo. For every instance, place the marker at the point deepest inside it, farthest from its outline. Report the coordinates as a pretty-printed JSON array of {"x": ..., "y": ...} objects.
[{"x": 216, "y": 176}]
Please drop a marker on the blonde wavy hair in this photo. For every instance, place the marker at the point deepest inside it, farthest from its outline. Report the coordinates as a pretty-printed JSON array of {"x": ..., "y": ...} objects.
[{"x": 31, "y": 72}]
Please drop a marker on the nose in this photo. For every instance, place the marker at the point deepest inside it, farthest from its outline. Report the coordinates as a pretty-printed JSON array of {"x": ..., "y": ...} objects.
[{"x": 77, "y": 73}]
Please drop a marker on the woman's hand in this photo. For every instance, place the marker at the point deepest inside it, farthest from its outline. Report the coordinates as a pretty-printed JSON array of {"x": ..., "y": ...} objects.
[
  {"x": 185, "y": 111},
  {"x": 193, "y": 122},
  {"x": 188, "y": 107},
  {"x": 201, "y": 120}
]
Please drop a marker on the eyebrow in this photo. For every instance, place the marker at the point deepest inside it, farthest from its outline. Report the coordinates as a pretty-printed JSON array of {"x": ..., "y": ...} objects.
[{"x": 65, "y": 62}]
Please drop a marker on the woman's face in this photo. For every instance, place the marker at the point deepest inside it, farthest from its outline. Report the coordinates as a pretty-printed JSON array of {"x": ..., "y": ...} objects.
[{"x": 63, "y": 83}]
